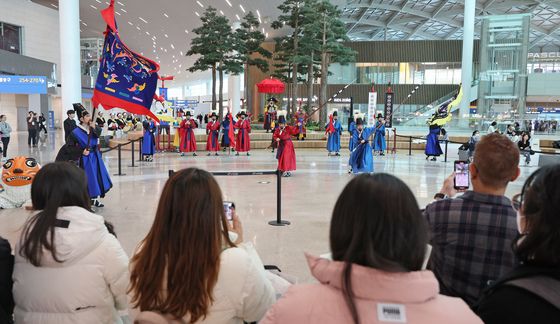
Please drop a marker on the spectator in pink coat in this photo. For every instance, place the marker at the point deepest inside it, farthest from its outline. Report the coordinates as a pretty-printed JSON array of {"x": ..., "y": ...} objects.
[{"x": 378, "y": 240}]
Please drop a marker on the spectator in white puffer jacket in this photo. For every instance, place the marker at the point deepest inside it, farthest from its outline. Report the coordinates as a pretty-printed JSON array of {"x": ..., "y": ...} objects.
[{"x": 68, "y": 268}]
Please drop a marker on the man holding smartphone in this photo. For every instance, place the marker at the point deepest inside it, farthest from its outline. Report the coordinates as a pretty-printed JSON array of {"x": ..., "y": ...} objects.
[{"x": 472, "y": 234}]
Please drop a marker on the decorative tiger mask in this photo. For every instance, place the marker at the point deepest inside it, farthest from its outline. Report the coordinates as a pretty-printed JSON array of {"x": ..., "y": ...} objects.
[{"x": 19, "y": 171}]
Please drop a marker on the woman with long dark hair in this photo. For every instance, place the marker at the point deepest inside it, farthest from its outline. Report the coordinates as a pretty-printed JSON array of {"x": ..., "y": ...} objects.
[
  {"x": 529, "y": 293},
  {"x": 190, "y": 267},
  {"x": 378, "y": 240},
  {"x": 68, "y": 267}
]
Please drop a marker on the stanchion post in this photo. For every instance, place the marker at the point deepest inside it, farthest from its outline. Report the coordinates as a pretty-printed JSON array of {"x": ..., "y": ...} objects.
[
  {"x": 132, "y": 150},
  {"x": 410, "y": 145},
  {"x": 394, "y": 151},
  {"x": 140, "y": 149},
  {"x": 120, "y": 162},
  {"x": 278, "y": 221},
  {"x": 445, "y": 159}
]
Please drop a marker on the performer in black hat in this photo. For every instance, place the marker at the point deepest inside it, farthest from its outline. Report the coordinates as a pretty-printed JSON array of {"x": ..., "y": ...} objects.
[
  {"x": 188, "y": 139},
  {"x": 270, "y": 114},
  {"x": 213, "y": 132},
  {"x": 379, "y": 142},
  {"x": 243, "y": 141},
  {"x": 286, "y": 153},
  {"x": 82, "y": 148},
  {"x": 334, "y": 131}
]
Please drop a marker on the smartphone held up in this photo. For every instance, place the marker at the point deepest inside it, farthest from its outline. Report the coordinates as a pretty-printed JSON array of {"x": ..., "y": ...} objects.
[
  {"x": 461, "y": 180},
  {"x": 229, "y": 209}
]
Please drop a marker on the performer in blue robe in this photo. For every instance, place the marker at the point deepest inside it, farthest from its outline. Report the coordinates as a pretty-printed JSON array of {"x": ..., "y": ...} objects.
[
  {"x": 334, "y": 131},
  {"x": 225, "y": 133},
  {"x": 379, "y": 142},
  {"x": 83, "y": 149},
  {"x": 433, "y": 148},
  {"x": 361, "y": 157},
  {"x": 149, "y": 141}
]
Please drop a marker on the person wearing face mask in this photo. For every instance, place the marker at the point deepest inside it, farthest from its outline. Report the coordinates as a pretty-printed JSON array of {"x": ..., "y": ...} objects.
[
  {"x": 530, "y": 292},
  {"x": 213, "y": 132},
  {"x": 524, "y": 145},
  {"x": 472, "y": 143},
  {"x": 286, "y": 154}
]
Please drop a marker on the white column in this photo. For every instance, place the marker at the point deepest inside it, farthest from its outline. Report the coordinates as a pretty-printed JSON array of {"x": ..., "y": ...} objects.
[
  {"x": 71, "y": 82},
  {"x": 234, "y": 93},
  {"x": 467, "y": 63}
]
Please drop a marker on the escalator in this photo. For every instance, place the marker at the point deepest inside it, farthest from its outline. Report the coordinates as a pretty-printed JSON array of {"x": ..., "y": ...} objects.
[{"x": 420, "y": 116}]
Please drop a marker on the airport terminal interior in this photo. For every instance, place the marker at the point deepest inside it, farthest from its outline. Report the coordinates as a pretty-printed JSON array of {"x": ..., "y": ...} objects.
[{"x": 289, "y": 104}]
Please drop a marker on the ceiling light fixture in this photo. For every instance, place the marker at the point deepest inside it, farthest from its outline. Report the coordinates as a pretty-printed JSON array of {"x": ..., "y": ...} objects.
[
  {"x": 242, "y": 9},
  {"x": 83, "y": 23},
  {"x": 94, "y": 7},
  {"x": 147, "y": 33},
  {"x": 229, "y": 3},
  {"x": 236, "y": 15},
  {"x": 222, "y": 13},
  {"x": 98, "y": 1},
  {"x": 186, "y": 31},
  {"x": 130, "y": 23},
  {"x": 122, "y": 9},
  {"x": 165, "y": 35},
  {"x": 52, "y": 4},
  {"x": 173, "y": 47},
  {"x": 166, "y": 16},
  {"x": 200, "y": 4},
  {"x": 122, "y": 4},
  {"x": 118, "y": 13},
  {"x": 258, "y": 13},
  {"x": 137, "y": 27},
  {"x": 196, "y": 13},
  {"x": 144, "y": 20},
  {"x": 181, "y": 52}
]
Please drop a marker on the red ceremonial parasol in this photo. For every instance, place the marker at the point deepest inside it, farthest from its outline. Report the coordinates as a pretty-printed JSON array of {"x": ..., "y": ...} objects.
[{"x": 271, "y": 85}]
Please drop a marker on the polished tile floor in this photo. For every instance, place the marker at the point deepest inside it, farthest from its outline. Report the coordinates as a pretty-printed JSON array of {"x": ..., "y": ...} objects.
[{"x": 307, "y": 197}]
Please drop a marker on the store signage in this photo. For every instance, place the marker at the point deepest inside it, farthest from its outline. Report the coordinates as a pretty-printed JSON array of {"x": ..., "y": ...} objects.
[
  {"x": 543, "y": 110},
  {"x": 23, "y": 84},
  {"x": 372, "y": 104},
  {"x": 545, "y": 56},
  {"x": 176, "y": 102},
  {"x": 388, "y": 111},
  {"x": 342, "y": 100}
]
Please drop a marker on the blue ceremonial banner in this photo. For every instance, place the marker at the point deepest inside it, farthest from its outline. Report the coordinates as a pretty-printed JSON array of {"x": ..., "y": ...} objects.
[
  {"x": 126, "y": 79},
  {"x": 163, "y": 93},
  {"x": 23, "y": 84}
]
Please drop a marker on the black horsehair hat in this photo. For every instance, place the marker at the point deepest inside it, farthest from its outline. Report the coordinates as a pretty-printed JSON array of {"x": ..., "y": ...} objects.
[
  {"x": 359, "y": 121},
  {"x": 281, "y": 119},
  {"x": 379, "y": 115},
  {"x": 80, "y": 110},
  {"x": 272, "y": 99},
  {"x": 335, "y": 114}
]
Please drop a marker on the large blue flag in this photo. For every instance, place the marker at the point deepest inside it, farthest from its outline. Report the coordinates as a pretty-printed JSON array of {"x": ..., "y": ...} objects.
[{"x": 126, "y": 79}]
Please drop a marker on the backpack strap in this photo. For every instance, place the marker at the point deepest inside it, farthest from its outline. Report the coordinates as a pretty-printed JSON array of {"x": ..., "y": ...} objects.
[{"x": 545, "y": 287}]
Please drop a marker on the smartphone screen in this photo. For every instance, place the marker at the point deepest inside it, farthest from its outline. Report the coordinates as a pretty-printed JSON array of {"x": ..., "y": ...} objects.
[
  {"x": 461, "y": 175},
  {"x": 228, "y": 209}
]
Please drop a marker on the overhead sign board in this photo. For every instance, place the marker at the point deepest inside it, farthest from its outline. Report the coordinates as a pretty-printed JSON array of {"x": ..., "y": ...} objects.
[{"x": 23, "y": 84}]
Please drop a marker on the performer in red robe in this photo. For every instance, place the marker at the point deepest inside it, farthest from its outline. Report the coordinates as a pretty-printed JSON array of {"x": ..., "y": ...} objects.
[
  {"x": 286, "y": 153},
  {"x": 213, "y": 132},
  {"x": 186, "y": 131},
  {"x": 301, "y": 119},
  {"x": 243, "y": 127}
]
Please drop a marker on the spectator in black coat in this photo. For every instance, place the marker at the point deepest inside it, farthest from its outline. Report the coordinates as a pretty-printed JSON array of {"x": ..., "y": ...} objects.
[
  {"x": 69, "y": 123},
  {"x": 6, "y": 269},
  {"x": 530, "y": 293}
]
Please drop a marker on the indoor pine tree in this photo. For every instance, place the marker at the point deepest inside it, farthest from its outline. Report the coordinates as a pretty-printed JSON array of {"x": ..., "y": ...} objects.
[
  {"x": 311, "y": 45},
  {"x": 292, "y": 17},
  {"x": 248, "y": 47},
  {"x": 333, "y": 35},
  {"x": 213, "y": 42}
]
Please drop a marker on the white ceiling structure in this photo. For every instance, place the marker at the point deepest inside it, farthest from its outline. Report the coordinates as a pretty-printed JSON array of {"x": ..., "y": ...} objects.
[
  {"x": 443, "y": 19},
  {"x": 161, "y": 30}
]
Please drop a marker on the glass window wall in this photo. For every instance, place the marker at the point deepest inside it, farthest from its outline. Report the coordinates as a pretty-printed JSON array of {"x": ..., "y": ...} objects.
[{"x": 398, "y": 73}]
